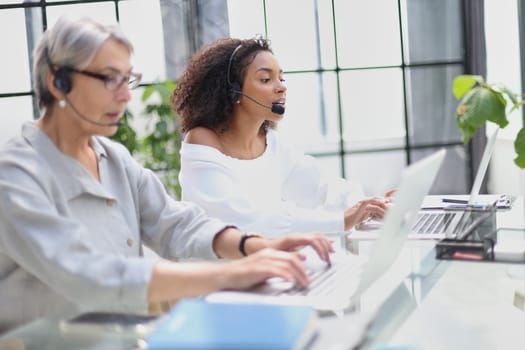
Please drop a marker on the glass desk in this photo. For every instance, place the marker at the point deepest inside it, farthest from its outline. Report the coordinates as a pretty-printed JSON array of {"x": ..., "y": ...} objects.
[
  {"x": 445, "y": 304},
  {"x": 419, "y": 303}
]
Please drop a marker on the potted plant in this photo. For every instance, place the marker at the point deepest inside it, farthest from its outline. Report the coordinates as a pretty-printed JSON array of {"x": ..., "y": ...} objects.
[
  {"x": 159, "y": 148},
  {"x": 481, "y": 102}
]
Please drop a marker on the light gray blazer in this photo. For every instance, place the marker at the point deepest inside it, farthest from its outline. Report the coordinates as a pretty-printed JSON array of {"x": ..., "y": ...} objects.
[{"x": 69, "y": 241}]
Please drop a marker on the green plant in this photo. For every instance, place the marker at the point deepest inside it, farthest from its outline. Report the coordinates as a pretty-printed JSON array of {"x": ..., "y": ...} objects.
[
  {"x": 481, "y": 102},
  {"x": 159, "y": 148}
]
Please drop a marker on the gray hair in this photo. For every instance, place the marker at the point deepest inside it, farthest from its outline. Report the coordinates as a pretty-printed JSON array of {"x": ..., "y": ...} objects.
[{"x": 70, "y": 43}]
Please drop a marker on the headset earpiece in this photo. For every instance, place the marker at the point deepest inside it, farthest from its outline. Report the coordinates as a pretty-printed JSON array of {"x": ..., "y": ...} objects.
[
  {"x": 62, "y": 80},
  {"x": 235, "y": 92}
]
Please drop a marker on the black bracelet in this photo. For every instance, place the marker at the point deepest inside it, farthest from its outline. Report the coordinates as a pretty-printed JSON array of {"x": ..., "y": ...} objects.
[{"x": 243, "y": 241}]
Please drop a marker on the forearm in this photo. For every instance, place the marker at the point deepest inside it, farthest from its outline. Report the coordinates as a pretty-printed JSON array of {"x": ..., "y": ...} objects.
[
  {"x": 226, "y": 244},
  {"x": 171, "y": 280}
]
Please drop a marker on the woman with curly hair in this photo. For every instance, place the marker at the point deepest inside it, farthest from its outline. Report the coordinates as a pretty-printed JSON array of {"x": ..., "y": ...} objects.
[{"x": 233, "y": 161}]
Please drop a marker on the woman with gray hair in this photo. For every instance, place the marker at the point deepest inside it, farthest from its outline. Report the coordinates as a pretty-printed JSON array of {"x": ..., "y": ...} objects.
[{"x": 75, "y": 207}]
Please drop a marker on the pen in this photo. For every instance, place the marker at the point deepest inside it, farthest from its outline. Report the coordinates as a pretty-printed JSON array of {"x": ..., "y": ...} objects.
[{"x": 450, "y": 200}]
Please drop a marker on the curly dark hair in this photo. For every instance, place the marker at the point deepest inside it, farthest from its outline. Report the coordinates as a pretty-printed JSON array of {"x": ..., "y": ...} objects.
[{"x": 202, "y": 96}]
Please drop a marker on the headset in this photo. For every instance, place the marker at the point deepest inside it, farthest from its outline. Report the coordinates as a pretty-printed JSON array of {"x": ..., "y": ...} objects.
[
  {"x": 234, "y": 92},
  {"x": 63, "y": 80}
]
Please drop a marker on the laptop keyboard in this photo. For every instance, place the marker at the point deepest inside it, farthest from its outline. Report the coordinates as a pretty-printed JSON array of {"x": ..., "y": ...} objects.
[
  {"x": 329, "y": 280},
  {"x": 432, "y": 223},
  {"x": 342, "y": 276}
]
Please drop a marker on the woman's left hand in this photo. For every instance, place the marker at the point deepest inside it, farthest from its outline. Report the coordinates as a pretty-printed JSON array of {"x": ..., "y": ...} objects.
[{"x": 292, "y": 242}]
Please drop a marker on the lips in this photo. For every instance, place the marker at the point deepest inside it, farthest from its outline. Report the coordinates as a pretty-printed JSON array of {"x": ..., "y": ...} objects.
[{"x": 114, "y": 117}]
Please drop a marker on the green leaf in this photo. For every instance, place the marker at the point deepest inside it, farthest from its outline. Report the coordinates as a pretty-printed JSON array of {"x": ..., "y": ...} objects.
[
  {"x": 170, "y": 84},
  {"x": 511, "y": 95},
  {"x": 149, "y": 109},
  {"x": 159, "y": 148},
  {"x": 148, "y": 91},
  {"x": 479, "y": 105},
  {"x": 519, "y": 147},
  {"x": 463, "y": 83},
  {"x": 162, "y": 127},
  {"x": 164, "y": 92}
]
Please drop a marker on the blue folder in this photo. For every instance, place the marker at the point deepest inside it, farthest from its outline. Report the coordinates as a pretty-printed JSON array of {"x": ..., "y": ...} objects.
[{"x": 197, "y": 324}]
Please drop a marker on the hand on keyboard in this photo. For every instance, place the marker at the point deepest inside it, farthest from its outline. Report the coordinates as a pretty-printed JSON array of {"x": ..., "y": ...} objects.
[
  {"x": 313, "y": 265},
  {"x": 279, "y": 286},
  {"x": 370, "y": 224},
  {"x": 313, "y": 260},
  {"x": 366, "y": 209}
]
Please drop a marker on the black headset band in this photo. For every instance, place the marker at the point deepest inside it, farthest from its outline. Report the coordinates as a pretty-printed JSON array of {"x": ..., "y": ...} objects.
[{"x": 228, "y": 76}]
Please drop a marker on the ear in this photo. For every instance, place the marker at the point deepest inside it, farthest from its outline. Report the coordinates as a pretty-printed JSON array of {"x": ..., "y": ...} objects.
[
  {"x": 234, "y": 94},
  {"x": 57, "y": 94}
]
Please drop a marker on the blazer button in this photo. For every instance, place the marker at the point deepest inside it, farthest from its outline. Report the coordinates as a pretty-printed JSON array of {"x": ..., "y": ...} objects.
[
  {"x": 129, "y": 242},
  {"x": 109, "y": 202}
]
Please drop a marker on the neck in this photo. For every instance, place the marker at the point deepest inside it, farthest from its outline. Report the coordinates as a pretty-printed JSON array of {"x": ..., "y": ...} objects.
[
  {"x": 64, "y": 134},
  {"x": 244, "y": 141}
]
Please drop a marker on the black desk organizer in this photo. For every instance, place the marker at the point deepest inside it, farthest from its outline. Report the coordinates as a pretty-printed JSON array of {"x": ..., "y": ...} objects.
[{"x": 474, "y": 239}]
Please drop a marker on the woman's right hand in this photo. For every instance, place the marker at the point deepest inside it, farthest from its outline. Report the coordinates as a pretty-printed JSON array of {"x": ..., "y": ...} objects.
[
  {"x": 262, "y": 265},
  {"x": 366, "y": 209},
  {"x": 175, "y": 280}
]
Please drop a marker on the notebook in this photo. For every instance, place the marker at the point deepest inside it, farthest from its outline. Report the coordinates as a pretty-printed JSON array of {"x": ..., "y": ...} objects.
[
  {"x": 200, "y": 325},
  {"x": 439, "y": 217},
  {"x": 350, "y": 275}
]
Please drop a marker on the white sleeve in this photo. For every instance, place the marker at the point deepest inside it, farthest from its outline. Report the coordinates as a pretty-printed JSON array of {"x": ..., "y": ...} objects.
[
  {"x": 306, "y": 185},
  {"x": 212, "y": 185}
]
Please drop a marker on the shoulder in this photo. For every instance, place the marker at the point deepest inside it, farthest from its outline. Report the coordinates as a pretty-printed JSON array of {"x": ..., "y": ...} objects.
[
  {"x": 22, "y": 166},
  {"x": 203, "y": 136},
  {"x": 18, "y": 154}
]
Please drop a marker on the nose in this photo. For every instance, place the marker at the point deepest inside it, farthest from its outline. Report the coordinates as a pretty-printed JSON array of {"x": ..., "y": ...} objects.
[
  {"x": 281, "y": 87},
  {"x": 123, "y": 93}
]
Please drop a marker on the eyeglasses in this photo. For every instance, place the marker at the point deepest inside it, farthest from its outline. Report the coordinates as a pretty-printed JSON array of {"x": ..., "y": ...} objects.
[{"x": 113, "y": 82}]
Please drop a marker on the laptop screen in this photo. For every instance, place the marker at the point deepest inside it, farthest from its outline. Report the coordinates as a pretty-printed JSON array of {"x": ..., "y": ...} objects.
[{"x": 483, "y": 166}]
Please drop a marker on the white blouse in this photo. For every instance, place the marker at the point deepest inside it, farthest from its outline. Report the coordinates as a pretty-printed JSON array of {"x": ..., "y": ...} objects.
[{"x": 281, "y": 191}]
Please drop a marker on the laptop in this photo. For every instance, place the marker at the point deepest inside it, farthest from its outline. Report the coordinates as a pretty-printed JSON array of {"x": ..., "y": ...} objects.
[
  {"x": 443, "y": 216},
  {"x": 339, "y": 286}
]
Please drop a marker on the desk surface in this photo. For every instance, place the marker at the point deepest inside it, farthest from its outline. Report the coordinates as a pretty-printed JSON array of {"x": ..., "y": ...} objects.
[
  {"x": 455, "y": 304},
  {"x": 420, "y": 303}
]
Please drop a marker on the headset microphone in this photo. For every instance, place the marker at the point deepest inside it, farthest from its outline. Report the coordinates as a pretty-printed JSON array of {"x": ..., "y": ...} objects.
[
  {"x": 275, "y": 107},
  {"x": 83, "y": 117}
]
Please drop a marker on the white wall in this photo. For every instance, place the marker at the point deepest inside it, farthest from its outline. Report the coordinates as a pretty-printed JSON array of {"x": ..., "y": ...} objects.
[{"x": 503, "y": 66}]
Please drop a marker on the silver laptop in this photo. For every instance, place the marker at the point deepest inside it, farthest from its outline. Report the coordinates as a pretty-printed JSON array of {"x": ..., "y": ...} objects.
[
  {"x": 337, "y": 287},
  {"x": 438, "y": 224},
  {"x": 434, "y": 221}
]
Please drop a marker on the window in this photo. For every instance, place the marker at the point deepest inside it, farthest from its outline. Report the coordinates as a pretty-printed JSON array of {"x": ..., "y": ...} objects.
[{"x": 369, "y": 82}]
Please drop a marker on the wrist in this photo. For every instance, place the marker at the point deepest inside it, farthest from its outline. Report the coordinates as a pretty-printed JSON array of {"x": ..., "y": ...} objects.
[{"x": 243, "y": 246}]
